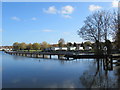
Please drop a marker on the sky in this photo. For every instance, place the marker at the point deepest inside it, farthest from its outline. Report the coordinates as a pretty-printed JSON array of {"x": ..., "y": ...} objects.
[{"x": 32, "y": 22}]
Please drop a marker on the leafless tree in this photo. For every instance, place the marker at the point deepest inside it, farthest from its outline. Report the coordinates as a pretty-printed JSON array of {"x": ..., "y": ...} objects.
[
  {"x": 61, "y": 42},
  {"x": 116, "y": 27},
  {"x": 97, "y": 27}
]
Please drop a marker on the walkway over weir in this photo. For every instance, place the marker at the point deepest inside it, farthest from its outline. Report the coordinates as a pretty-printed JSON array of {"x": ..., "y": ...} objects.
[{"x": 65, "y": 54}]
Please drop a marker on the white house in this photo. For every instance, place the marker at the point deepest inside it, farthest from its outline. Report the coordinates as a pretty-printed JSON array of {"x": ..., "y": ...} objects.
[
  {"x": 76, "y": 48},
  {"x": 56, "y": 48},
  {"x": 72, "y": 48},
  {"x": 81, "y": 48},
  {"x": 64, "y": 48},
  {"x": 87, "y": 48}
]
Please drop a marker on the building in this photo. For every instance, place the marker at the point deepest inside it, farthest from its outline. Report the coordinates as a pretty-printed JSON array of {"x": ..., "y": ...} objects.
[
  {"x": 87, "y": 48},
  {"x": 8, "y": 48},
  {"x": 63, "y": 48}
]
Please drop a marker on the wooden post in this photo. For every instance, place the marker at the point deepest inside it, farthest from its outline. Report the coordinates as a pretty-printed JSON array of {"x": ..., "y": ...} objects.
[
  {"x": 43, "y": 55},
  {"x": 58, "y": 57},
  {"x": 67, "y": 58},
  {"x": 50, "y": 56},
  {"x": 36, "y": 55},
  {"x": 26, "y": 54},
  {"x": 30, "y": 54},
  {"x": 111, "y": 62}
]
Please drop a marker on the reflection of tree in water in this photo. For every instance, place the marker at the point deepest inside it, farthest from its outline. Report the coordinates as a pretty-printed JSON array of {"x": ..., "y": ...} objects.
[
  {"x": 96, "y": 77},
  {"x": 117, "y": 73},
  {"x": 18, "y": 57}
]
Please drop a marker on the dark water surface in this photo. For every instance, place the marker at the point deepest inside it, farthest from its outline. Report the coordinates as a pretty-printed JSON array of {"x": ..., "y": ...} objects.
[{"x": 24, "y": 72}]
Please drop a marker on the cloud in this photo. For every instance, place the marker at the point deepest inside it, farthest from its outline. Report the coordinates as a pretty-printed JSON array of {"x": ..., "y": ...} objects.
[
  {"x": 115, "y": 3},
  {"x": 51, "y": 10},
  {"x": 47, "y": 30},
  {"x": 15, "y": 18},
  {"x": 66, "y": 11},
  {"x": 33, "y": 18},
  {"x": 94, "y": 7}
]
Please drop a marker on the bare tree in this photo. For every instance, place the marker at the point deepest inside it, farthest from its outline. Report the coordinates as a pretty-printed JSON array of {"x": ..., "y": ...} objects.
[
  {"x": 61, "y": 42},
  {"x": 97, "y": 27},
  {"x": 116, "y": 27}
]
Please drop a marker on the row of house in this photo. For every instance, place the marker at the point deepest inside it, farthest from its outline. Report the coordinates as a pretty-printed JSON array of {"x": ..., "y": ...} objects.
[
  {"x": 8, "y": 48},
  {"x": 69, "y": 48},
  {"x": 55, "y": 47}
]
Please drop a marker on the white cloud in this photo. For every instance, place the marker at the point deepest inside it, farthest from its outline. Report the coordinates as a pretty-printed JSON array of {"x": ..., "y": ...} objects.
[
  {"x": 94, "y": 7},
  {"x": 67, "y": 10},
  {"x": 33, "y": 18},
  {"x": 15, "y": 18},
  {"x": 115, "y": 3},
  {"x": 47, "y": 30},
  {"x": 51, "y": 10}
]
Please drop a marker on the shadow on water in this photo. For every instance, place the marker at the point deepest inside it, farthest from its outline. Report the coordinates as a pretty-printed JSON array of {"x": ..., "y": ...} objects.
[{"x": 99, "y": 75}]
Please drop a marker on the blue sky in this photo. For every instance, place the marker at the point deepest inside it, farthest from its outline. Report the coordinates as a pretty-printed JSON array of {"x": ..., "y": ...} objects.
[{"x": 42, "y": 21}]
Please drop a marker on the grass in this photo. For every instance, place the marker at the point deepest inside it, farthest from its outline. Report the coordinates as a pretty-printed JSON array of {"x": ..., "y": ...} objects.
[{"x": 30, "y": 50}]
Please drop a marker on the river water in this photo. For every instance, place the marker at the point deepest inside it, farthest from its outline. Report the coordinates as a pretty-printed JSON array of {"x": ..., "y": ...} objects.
[{"x": 25, "y": 72}]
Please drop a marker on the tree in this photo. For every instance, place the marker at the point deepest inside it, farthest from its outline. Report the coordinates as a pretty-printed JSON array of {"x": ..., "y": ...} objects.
[
  {"x": 74, "y": 44},
  {"x": 116, "y": 23},
  {"x": 23, "y": 46},
  {"x": 82, "y": 44},
  {"x": 97, "y": 27},
  {"x": 36, "y": 46},
  {"x": 16, "y": 46},
  {"x": 69, "y": 44},
  {"x": 117, "y": 39},
  {"x": 61, "y": 42},
  {"x": 29, "y": 46},
  {"x": 44, "y": 45},
  {"x": 109, "y": 46},
  {"x": 87, "y": 43}
]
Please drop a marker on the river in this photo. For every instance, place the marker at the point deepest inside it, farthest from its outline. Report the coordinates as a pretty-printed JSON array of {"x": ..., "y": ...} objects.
[{"x": 25, "y": 72}]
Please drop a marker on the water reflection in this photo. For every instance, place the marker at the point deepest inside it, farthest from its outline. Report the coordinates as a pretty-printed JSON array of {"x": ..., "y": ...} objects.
[{"x": 99, "y": 75}]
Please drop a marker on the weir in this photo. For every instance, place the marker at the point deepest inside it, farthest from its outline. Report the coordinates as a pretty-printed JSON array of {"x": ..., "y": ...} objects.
[
  {"x": 60, "y": 54},
  {"x": 107, "y": 59}
]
